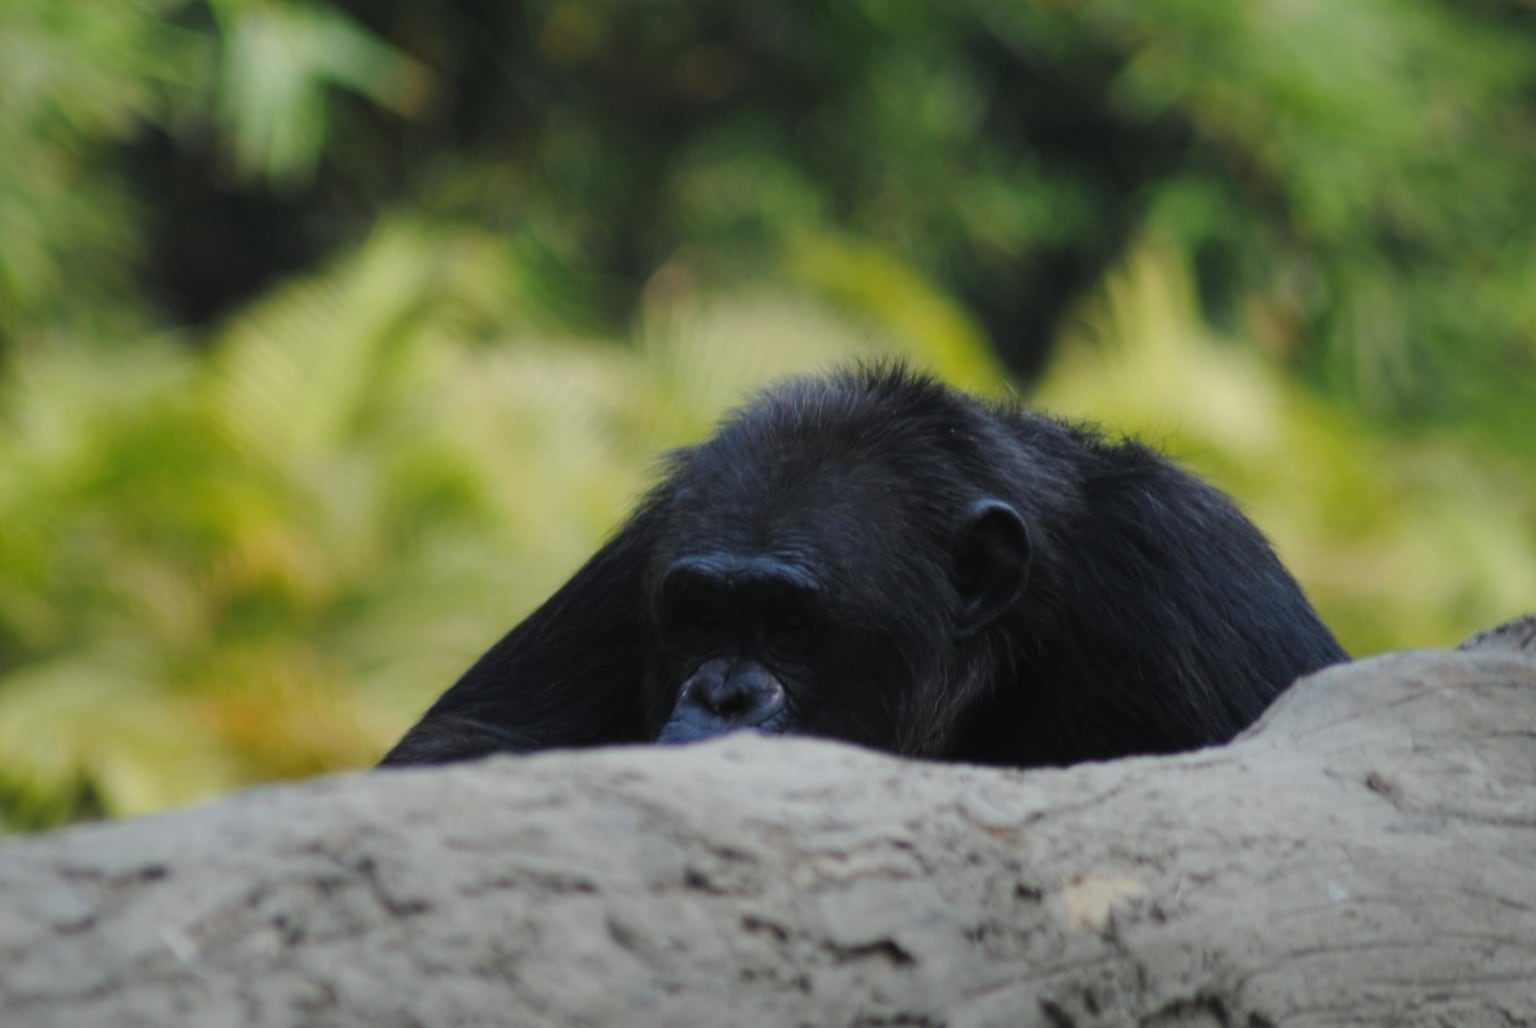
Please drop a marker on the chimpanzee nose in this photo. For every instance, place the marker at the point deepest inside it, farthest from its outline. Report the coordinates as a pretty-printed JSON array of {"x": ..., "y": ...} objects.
[
  {"x": 744, "y": 690},
  {"x": 723, "y": 696}
]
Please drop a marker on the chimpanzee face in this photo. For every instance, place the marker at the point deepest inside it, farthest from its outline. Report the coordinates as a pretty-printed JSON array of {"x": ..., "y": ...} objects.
[
  {"x": 790, "y": 614},
  {"x": 741, "y": 637}
]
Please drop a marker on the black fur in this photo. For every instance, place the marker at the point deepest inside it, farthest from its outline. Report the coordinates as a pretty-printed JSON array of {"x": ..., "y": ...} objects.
[{"x": 984, "y": 584}]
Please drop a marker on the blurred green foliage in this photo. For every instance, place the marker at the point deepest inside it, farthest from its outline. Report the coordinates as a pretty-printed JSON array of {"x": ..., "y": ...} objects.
[{"x": 333, "y": 335}]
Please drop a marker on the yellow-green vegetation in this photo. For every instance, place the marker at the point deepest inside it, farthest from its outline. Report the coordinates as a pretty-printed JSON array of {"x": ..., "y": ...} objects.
[
  {"x": 333, "y": 336},
  {"x": 262, "y": 561}
]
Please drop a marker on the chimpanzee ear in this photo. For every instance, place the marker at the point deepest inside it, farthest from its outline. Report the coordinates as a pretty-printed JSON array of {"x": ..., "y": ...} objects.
[{"x": 991, "y": 564}]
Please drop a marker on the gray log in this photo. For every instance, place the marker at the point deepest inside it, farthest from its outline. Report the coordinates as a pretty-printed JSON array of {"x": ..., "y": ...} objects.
[{"x": 1366, "y": 855}]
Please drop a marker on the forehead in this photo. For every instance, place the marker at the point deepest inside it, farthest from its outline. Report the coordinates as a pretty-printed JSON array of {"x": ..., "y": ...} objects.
[{"x": 833, "y": 510}]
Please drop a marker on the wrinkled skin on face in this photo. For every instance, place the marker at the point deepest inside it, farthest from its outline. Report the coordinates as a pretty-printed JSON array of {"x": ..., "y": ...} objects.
[{"x": 775, "y": 613}]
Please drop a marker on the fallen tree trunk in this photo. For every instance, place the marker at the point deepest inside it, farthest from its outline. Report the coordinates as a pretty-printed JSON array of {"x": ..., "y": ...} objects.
[{"x": 1366, "y": 855}]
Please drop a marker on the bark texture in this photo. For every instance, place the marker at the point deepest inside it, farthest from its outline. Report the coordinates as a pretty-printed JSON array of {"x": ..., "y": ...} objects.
[{"x": 1366, "y": 855}]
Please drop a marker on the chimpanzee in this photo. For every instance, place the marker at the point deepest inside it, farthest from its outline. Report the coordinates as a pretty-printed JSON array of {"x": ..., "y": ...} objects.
[{"x": 877, "y": 558}]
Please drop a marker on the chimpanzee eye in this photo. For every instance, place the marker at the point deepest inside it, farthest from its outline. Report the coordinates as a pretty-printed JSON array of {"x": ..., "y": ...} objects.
[
  {"x": 704, "y": 617},
  {"x": 791, "y": 620}
]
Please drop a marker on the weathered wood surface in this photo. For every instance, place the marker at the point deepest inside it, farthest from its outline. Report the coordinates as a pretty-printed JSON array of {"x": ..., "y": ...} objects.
[{"x": 1365, "y": 856}]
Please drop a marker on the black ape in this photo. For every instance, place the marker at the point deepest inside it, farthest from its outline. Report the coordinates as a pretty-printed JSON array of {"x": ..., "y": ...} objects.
[{"x": 879, "y": 559}]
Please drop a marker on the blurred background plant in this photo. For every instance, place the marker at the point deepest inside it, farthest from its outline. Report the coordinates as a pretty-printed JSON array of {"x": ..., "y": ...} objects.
[{"x": 334, "y": 335}]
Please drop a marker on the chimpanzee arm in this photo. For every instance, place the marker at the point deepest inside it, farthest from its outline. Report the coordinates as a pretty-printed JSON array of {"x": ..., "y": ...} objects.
[{"x": 568, "y": 675}]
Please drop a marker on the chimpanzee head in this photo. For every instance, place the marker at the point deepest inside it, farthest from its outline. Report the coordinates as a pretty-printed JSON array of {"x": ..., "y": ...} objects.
[{"x": 831, "y": 568}]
